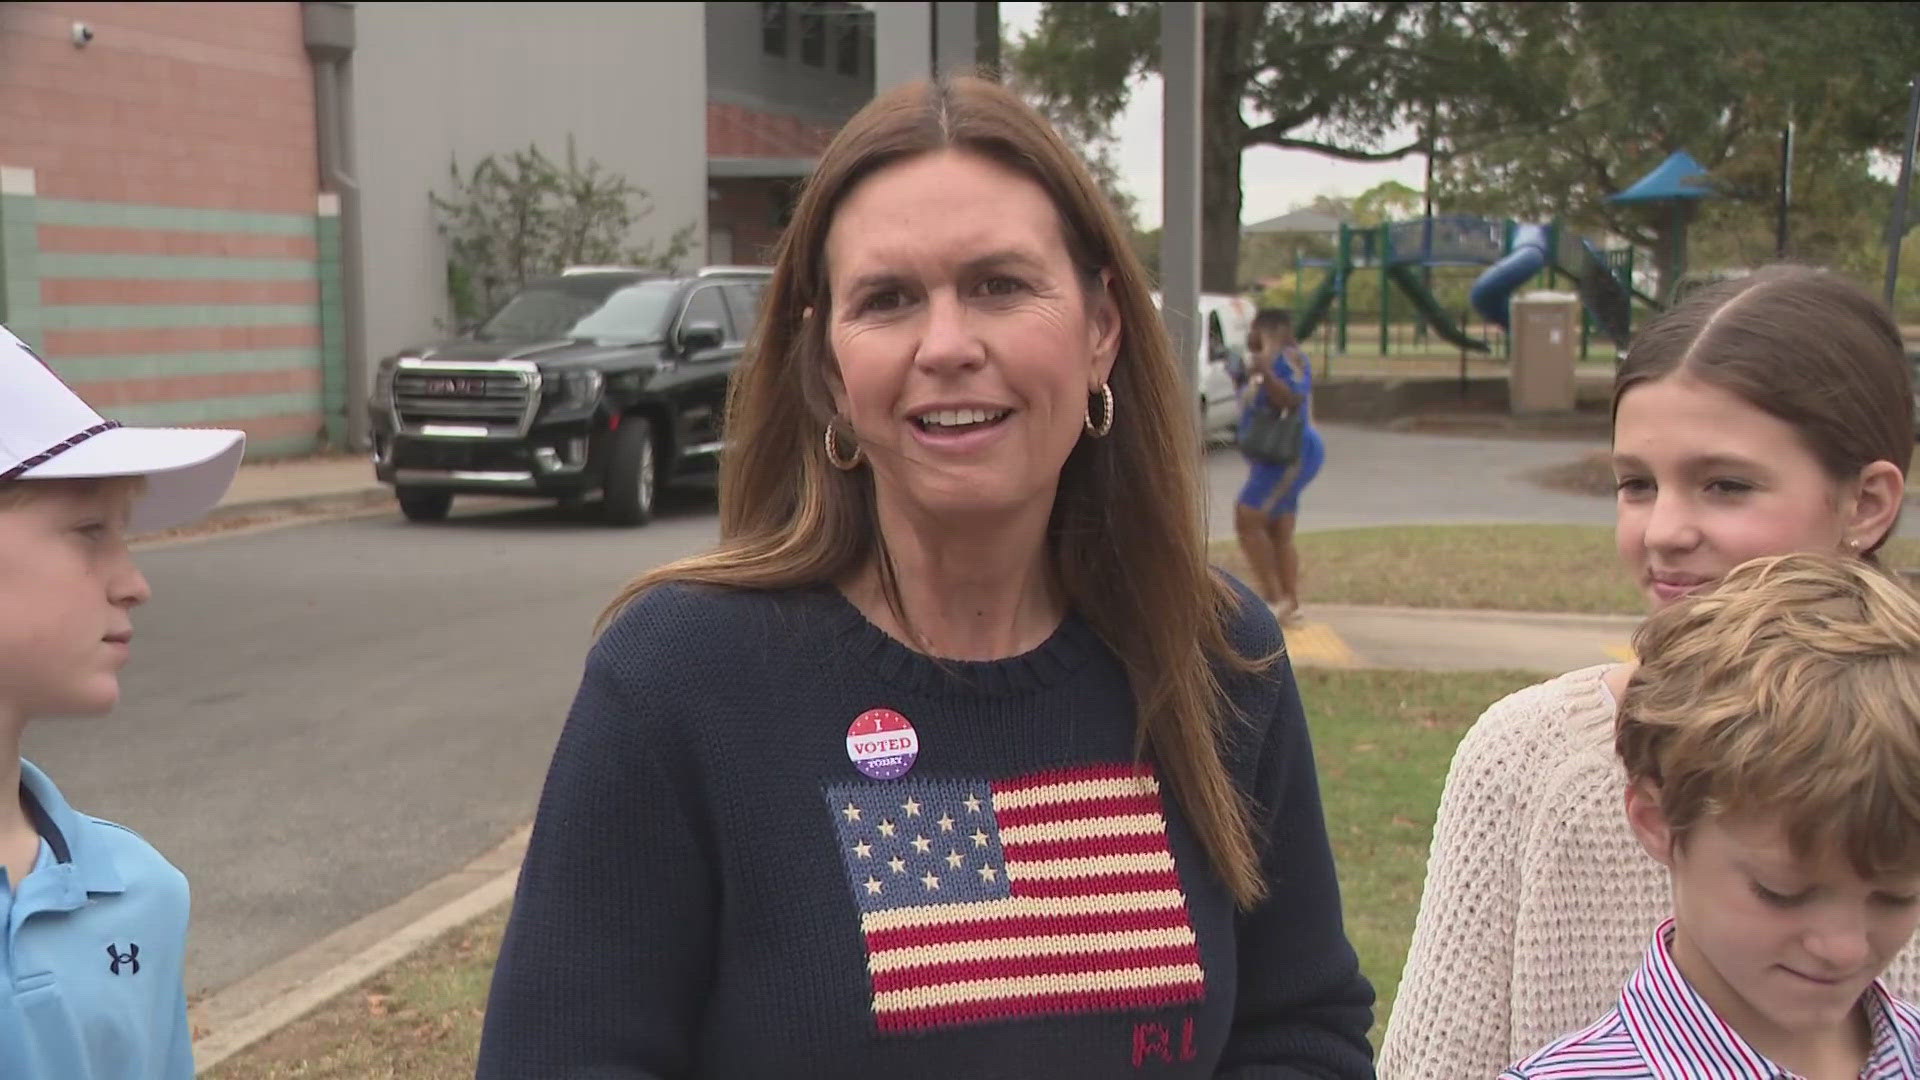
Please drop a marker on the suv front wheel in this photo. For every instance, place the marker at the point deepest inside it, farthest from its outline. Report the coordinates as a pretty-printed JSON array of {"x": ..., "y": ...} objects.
[
  {"x": 419, "y": 505},
  {"x": 633, "y": 474}
]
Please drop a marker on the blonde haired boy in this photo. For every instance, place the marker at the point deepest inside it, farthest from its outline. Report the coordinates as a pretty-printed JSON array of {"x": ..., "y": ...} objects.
[
  {"x": 1771, "y": 744},
  {"x": 94, "y": 919}
]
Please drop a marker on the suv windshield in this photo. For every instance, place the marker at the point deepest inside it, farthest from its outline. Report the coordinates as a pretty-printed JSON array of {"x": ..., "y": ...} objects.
[{"x": 623, "y": 310}]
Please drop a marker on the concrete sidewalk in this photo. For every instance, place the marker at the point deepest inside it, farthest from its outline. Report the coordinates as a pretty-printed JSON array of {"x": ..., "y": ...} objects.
[
  {"x": 271, "y": 483},
  {"x": 1437, "y": 639}
]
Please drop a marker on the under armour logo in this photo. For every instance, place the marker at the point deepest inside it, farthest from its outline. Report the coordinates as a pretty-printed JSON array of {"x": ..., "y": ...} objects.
[{"x": 130, "y": 958}]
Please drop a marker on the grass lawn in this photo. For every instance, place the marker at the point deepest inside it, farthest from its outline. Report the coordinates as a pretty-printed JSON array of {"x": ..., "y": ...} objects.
[
  {"x": 419, "y": 1020},
  {"x": 1383, "y": 740},
  {"x": 1561, "y": 568}
]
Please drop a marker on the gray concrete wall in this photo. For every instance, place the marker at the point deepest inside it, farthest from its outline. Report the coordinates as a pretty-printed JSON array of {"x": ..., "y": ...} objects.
[
  {"x": 740, "y": 70},
  {"x": 434, "y": 81},
  {"x": 904, "y": 34},
  {"x": 914, "y": 36}
]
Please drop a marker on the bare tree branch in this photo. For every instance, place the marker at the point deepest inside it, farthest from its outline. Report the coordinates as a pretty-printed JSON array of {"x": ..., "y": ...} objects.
[{"x": 1343, "y": 153}]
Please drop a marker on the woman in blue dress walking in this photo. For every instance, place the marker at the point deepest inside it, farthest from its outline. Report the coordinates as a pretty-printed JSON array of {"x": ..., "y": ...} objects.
[{"x": 1280, "y": 377}]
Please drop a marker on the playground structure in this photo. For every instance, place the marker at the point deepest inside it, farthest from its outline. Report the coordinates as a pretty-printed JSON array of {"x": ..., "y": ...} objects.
[{"x": 1511, "y": 252}]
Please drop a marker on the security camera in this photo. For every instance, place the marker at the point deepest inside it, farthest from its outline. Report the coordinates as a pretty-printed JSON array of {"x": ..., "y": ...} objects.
[{"x": 82, "y": 33}]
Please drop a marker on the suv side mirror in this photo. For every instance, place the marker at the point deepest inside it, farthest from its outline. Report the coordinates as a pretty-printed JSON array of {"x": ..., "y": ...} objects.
[{"x": 700, "y": 336}]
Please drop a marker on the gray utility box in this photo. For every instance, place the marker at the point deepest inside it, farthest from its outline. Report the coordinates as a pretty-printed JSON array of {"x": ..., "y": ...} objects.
[{"x": 1546, "y": 340}]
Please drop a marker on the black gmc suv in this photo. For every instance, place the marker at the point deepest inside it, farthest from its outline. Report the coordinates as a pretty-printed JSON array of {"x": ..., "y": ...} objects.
[{"x": 598, "y": 380}]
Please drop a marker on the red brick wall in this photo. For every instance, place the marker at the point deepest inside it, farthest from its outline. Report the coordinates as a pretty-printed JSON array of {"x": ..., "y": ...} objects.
[
  {"x": 206, "y": 105},
  {"x": 173, "y": 110}
]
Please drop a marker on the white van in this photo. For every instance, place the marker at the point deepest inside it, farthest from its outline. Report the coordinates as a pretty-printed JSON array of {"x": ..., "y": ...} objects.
[{"x": 1227, "y": 320}]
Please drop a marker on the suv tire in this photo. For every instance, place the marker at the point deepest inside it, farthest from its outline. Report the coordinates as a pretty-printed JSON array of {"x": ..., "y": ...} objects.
[
  {"x": 633, "y": 474},
  {"x": 422, "y": 505}
]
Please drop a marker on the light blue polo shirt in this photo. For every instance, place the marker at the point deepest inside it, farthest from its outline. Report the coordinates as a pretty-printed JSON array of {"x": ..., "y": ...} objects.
[{"x": 95, "y": 944}]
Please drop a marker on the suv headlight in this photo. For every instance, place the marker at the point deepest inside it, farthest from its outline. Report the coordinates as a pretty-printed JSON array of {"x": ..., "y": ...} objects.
[
  {"x": 383, "y": 384},
  {"x": 575, "y": 390}
]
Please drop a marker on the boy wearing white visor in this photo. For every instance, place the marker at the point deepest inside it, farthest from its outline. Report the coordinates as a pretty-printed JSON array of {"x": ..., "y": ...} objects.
[{"x": 95, "y": 919}]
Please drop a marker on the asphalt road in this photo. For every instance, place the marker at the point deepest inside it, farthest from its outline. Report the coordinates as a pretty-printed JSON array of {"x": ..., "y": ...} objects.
[
  {"x": 320, "y": 720},
  {"x": 1374, "y": 477}
]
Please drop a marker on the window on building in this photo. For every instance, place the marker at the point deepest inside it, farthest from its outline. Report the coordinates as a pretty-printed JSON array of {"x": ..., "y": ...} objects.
[
  {"x": 851, "y": 48},
  {"x": 773, "y": 29},
  {"x": 813, "y": 36}
]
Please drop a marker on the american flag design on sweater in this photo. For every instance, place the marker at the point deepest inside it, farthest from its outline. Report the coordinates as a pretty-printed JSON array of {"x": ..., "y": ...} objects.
[{"x": 1042, "y": 894}]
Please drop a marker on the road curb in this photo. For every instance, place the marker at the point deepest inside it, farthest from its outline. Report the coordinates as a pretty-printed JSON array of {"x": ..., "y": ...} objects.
[
  {"x": 234, "y": 1018},
  {"x": 1562, "y": 618},
  {"x": 299, "y": 504},
  {"x": 236, "y": 519}
]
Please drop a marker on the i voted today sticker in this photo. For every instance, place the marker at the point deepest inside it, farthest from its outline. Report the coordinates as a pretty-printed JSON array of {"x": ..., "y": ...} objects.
[{"x": 882, "y": 744}]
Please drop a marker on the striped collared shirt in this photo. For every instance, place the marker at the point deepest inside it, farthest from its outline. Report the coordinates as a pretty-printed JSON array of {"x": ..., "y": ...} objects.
[{"x": 1663, "y": 1030}]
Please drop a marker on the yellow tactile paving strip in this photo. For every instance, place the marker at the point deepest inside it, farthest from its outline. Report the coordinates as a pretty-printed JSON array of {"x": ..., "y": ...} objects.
[{"x": 1316, "y": 643}]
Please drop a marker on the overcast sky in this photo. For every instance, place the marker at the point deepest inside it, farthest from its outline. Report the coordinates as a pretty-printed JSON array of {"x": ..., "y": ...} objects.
[{"x": 1272, "y": 180}]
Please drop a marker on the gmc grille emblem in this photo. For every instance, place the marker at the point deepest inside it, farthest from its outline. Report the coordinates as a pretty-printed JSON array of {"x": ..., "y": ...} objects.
[{"x": 455, "y": 386}]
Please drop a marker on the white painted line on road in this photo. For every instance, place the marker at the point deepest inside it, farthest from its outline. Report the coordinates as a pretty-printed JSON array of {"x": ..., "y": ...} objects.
[{"x": 240, "y": 1015}]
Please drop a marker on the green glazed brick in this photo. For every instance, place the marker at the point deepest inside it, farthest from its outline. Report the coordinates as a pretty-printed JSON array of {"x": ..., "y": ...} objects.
[
  {"x": 172, "y": 267},
  {"x": 172, "y": 218},
  {"x": 174, "y": 316},
  {"x": 85, "y": 369},
  {"x": 214, "y": 409}
]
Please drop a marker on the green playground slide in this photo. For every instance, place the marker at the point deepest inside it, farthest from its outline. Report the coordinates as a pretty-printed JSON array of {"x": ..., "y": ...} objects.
[
  {"x": 1307, "y": 319},
  {"x": 1403, "y": 275}
]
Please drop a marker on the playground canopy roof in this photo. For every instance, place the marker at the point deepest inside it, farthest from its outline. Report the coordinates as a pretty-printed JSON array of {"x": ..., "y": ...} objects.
[
  {"x": 1299, "y": 221},
  {"x": 1678, "y": 177}
]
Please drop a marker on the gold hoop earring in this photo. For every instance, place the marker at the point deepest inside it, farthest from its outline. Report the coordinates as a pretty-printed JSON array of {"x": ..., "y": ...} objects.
[
  {"x": 1105, "y": 425},
  {"x": 846, "y": 464}
]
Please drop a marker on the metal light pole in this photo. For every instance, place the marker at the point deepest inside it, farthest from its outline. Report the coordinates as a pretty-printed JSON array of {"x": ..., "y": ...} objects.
[
  {"x": 1180, "y": 58},
  {"x": 1786, "y": 191},
  {"x": 1898, "y": 224}
]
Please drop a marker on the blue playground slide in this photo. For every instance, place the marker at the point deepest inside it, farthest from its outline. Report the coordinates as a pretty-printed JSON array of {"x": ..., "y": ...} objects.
[{"x": 1493, "y": 291}]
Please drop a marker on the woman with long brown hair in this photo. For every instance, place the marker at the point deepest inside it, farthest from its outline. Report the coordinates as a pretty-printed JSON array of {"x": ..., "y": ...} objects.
[{"x": 954, "y": 758}]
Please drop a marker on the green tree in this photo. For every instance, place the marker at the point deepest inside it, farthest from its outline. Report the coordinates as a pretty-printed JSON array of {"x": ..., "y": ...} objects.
[
  {"x": 1340, "y": 79},
  {"x": 1271, "y": 256},
  {"x": 510, "y": 219},
  {"x": 1090, "y": 139},
  {"x": 1389, "y": 200},
  {"x": 1613, "y": 88}
]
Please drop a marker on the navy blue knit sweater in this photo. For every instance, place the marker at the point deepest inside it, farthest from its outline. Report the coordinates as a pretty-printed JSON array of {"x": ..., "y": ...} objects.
[{"x": 715, "y": 890}]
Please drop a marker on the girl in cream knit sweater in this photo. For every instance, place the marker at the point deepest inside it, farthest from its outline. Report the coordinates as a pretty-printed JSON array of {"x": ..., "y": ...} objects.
[{"x": 1761, "y": 416}]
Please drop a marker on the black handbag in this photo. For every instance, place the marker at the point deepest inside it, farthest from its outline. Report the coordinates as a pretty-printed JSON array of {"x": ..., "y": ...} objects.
[{"x": 1273, "y": 434}]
